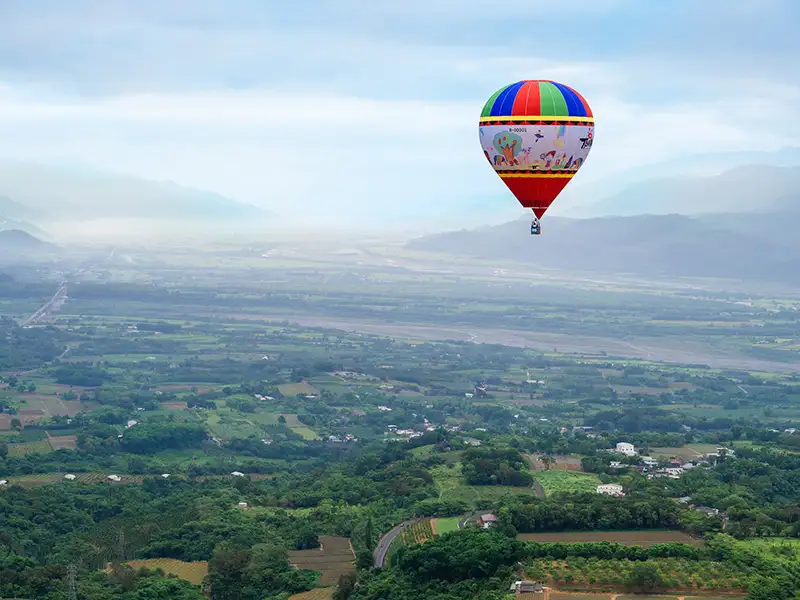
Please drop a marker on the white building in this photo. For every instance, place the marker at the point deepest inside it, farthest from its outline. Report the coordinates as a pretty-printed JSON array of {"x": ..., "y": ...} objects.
[
  {"x": 69, "y": 477},
  {"x": 610, "y": 489},
  {"x": 626, "y": 449}
]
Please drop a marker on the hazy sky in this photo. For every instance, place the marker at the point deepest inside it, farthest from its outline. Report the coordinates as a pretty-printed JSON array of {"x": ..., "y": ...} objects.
[{"x": 365, "y": 108}]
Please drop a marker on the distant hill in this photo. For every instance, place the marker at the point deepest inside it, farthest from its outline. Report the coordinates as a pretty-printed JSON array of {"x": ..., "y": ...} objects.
[
  {"x": 15, "y": 244},
  {"x": 764, "y": 247},
  {"x": 8, "y": 224},
  {"x": 67, "y": 193},
  {"x": 744, "y": 189},
  {"x": 10, "y": 209}
]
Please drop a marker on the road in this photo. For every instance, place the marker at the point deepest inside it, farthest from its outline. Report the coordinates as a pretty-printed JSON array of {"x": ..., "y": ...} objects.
[
  {"x": 52, "y": 304},
  {"x": 379, "y": 554}
]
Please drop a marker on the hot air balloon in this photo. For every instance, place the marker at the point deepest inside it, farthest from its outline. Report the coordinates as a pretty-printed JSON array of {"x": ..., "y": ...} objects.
[{"x": 536, "y": 134}]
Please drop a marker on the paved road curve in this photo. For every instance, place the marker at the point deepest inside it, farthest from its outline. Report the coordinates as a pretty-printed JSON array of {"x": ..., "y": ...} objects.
[{"x": 379, "y": 554}]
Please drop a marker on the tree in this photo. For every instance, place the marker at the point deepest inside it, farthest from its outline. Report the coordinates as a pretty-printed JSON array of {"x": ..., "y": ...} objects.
[
  {"x": 16, "y": 423},
  {"x": 547, "y": 461},
  {"x": 282, "y": 420},
  {"x": 644, "y": 578},
  {"x": 345, "y": 587}
]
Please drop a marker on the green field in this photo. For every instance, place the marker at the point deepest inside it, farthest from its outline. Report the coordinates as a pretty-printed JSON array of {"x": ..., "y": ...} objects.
[
  {"x": 445, "y": 525},
  {"x": 293, "y": 423},
  {"x": 40, "y": 447},
  {"x": 290, "y": 390},
  {"x": 451, "y": 486},
  {"x": 567, "y": 481}
]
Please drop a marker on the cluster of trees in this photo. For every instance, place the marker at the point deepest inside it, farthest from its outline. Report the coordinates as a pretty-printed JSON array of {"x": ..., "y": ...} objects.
[
  {"x": 595, "y": 511},
  {"x": 143, "y": 438},
  {"x": 258, "y": 572},
  {"x": 495, "y": 466},
  {"x": 22, "y": 348}
]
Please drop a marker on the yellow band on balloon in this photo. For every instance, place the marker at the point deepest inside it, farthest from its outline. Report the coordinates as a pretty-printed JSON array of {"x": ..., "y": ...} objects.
[{"x": 587, "y": 120}]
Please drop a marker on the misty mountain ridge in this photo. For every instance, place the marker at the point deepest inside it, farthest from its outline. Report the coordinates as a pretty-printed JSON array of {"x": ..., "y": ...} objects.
[
  {"x": 745, "y": 189},
  {"x": 756, "y": 247},
  {"x": 15, "y": 243},
  {"x": 53, "y": 193}
]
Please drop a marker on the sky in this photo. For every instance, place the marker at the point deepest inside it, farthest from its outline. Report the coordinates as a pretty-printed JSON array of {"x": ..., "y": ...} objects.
[{"x": 357, "y": 111}]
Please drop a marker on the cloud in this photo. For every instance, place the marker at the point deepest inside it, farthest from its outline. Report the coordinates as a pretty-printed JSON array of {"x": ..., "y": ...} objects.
[{"x": 368, "y": 110}]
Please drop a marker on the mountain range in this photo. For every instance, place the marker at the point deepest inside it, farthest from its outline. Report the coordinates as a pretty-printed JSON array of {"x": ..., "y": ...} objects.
[
  {"x": 744, "y": 189},
  {"x": 41, "y": 193},
  {"x": 760, "y": 246},
  {"x": 16, "y": 244}
]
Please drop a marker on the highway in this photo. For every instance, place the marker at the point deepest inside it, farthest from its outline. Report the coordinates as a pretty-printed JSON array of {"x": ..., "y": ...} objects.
[{"x": 52, "y": 304}]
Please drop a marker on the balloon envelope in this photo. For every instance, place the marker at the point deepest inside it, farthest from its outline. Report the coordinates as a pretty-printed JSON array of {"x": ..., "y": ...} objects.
[{"x": 536, "y": 134}]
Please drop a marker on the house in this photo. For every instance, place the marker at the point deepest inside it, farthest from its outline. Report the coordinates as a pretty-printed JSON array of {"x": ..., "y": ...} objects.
[
  {"x": 626, "y": 449},
  {"x": 523, "y": 587},
  {"x": 711, "y": 512},
  {"x": 69, "y": 477},
  {"x": 615, "y": 464},
  {"x": 115, "y": 478},
  {"x": 3, "y": 482},
  {"x": 242, "y": 505},
  {"x": 472, "y": 441},
  {"x": 487, "y": 520},
  {"x": 610, "y": 489},
  {"x": 649, "y": 461},
  {"x": 237, "y": 473},
  {"x": 165, "y": 475}
]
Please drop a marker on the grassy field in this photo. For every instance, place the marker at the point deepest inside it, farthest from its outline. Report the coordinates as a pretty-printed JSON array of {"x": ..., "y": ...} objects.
[
  {"x": 627, "y": 538},
  {"x": 299, "y": 428},
  {"x": 40, "y": 447},
  {"x": 554, "y": 481},
  {"x": 67, "y": 442},
  {"x": 451, "y": 486},
  {"x": 290, "y": 390},
  {"x": 688, "y": 452},
  {"x": 193, "y": 572},
  {"x": 445, "y": 525}
]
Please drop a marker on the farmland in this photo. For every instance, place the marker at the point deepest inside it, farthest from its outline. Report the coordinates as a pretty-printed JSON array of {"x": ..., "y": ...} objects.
[
  {"x": 194, "y": 572},
  {"x": 297, "y": 376},
  {"x": 86, "y": 478},
  {"x": 417, "y": 533},
  {"x": 315, "y": 594},
  {"x": 560, "y": 463},
  {"x": 677, "y": 574},
  {"x": 627, "y": 538},
  {"x": 555, "y": 482},
  {"x": 290, "y": 390},
  {"x": 333, "y": 558}
]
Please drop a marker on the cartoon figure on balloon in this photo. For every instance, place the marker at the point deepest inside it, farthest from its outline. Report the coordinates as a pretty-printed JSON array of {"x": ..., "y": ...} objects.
[
  {"x": 508, "y": 145},
  {"x": 548, "y": 158}
]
